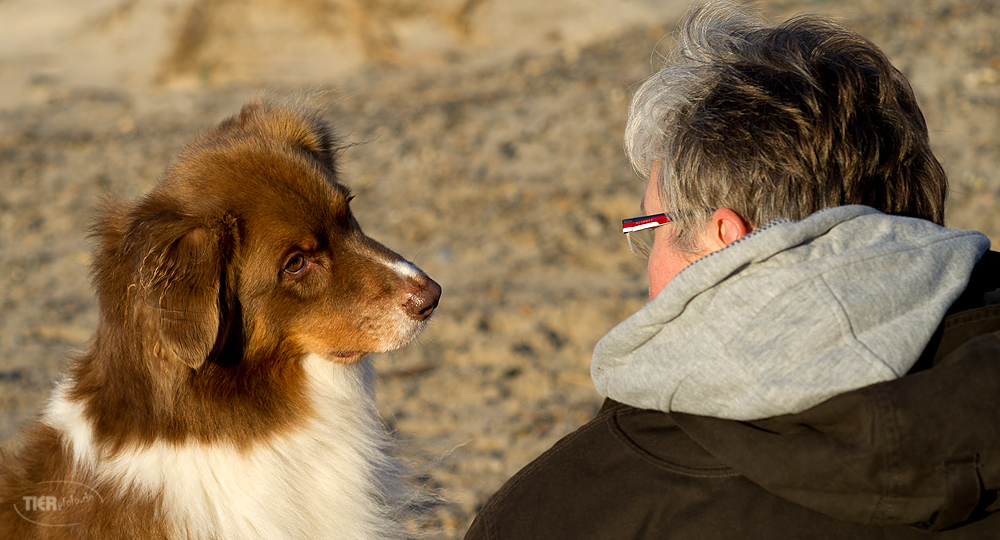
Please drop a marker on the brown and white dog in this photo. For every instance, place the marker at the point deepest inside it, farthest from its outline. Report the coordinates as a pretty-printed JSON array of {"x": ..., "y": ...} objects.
[{"x": 225, "y": 393}]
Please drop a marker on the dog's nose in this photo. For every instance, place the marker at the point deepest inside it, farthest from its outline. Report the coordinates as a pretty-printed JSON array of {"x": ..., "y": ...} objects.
[{"x": 422, "y": 298}]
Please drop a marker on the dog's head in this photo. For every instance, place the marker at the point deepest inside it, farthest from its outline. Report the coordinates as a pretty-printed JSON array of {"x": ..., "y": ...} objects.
[{"x": 247, "y": 249}]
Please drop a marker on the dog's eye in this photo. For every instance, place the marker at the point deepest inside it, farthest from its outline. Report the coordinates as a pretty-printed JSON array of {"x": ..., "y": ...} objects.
[{"x": 295, "y": 265}]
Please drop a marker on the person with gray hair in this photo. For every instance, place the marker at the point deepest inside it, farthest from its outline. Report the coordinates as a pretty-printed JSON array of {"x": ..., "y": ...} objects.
[{"x": 820, "y": 356}]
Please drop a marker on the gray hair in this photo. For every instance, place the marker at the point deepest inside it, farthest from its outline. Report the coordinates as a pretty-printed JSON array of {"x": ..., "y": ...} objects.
[{"x": 779, "y": 121}]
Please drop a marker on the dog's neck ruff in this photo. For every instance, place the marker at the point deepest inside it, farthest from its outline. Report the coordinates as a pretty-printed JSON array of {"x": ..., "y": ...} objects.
[{"x": 332, "y": 478}]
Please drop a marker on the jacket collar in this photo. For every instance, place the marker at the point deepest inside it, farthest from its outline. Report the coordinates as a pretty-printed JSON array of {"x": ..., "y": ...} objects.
[{"x": 789, "y": 316}]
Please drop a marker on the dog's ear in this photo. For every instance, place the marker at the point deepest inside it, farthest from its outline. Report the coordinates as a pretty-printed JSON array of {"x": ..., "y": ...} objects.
[{"x": 179, "y": 281}]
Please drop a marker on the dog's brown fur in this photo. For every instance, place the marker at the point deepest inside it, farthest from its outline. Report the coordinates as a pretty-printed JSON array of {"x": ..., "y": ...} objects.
[{"x": 213, "y": 287}]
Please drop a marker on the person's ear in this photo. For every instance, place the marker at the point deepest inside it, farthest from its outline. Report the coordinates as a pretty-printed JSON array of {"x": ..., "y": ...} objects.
[{"x": 724, "y": 228}]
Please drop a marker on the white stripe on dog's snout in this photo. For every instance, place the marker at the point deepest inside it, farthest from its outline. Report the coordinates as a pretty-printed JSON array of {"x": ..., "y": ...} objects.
[{"x": 405, "y": 269}]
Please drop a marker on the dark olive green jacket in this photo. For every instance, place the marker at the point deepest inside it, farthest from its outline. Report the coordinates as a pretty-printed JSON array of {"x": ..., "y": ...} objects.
[{"x": 913, "y": 458}]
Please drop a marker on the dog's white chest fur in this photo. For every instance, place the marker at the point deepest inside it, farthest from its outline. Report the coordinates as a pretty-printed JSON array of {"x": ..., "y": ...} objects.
[{"x": 330, "y": 479}]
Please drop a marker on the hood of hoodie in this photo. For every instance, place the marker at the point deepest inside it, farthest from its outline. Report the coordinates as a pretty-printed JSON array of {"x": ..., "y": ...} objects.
[{"x": 789, "y": 316}]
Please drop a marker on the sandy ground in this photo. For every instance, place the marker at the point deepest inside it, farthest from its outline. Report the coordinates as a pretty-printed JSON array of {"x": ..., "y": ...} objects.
[{"x": 488, "y": 149}]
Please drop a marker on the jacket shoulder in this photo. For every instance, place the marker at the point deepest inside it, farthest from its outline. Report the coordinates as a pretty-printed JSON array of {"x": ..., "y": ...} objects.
[{"x": 604, "y": 480}]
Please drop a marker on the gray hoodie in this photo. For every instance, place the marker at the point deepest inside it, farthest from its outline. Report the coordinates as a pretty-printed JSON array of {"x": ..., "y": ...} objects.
[{"x": 789, "y": 316}]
